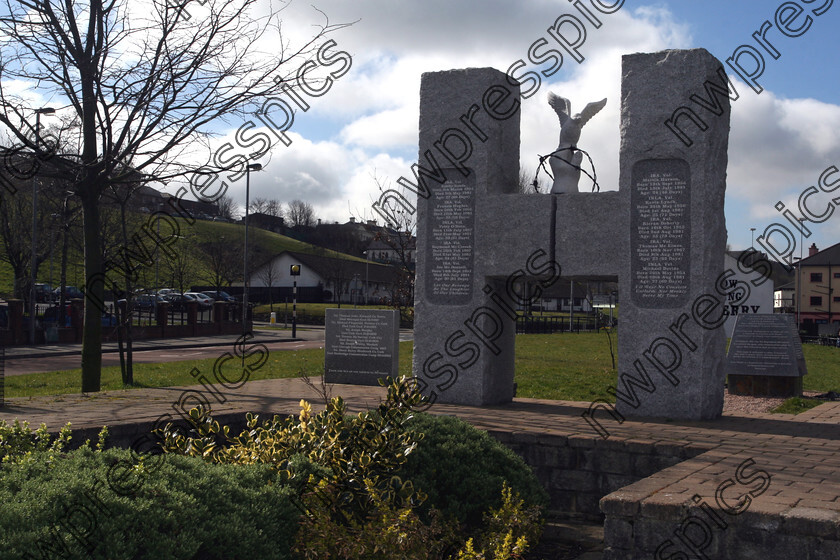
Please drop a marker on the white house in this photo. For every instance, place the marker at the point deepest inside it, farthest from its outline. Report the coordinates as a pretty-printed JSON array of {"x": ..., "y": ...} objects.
[
  {"x": 346, "y": 280},
  {"x": 759, "y": 300}
]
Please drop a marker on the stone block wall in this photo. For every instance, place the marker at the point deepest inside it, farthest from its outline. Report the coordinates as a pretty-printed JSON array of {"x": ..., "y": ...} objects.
[{"x": 578, "y": 471}]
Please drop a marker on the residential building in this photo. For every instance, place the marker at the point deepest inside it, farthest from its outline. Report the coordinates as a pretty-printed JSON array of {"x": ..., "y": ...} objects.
[
  {"x": 817, "y": 280},
  {"x": 339, "y": 279}
]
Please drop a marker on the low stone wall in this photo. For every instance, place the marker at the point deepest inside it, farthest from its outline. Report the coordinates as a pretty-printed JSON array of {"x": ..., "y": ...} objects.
[
  {"x": 578, "y": 471},
  {"x": 663, "y": 528}
]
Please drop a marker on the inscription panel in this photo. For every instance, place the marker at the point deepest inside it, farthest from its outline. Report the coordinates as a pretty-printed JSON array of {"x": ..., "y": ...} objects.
[
  {"x": 660, "y": 233},
  {"x": 765, "y": 344},
  {"x": 450, "y": 241},
  {"x": 361, "y": 345}
]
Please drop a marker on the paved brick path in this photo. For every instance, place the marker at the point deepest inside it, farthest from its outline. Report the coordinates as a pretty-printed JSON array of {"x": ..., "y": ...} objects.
[{"x": 800, "y": 453}]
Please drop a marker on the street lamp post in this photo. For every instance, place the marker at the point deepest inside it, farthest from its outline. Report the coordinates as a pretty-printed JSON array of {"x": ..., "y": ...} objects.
[
  {"x": 34, "y": 265},
  {"x": 367, "y": 261},
  {"x": 752, "y": 238},
  {"x": 245, "y": 279}
]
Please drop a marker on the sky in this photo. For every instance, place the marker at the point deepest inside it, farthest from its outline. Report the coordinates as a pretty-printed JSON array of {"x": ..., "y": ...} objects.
[{"x": 362, "y": 133}]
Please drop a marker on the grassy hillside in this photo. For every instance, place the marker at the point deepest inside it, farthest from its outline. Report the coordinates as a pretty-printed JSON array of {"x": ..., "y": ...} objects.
[{"x": 193, "y": 236}]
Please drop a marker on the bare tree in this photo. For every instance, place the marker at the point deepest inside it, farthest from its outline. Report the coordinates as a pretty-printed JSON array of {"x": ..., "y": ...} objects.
[
  {"x": 300, "y": 214},
  {"x": 181, "y": 265},
  {"x": 269, "y": 274},
  {"x": 258, "y": 205},
  {"x": 400, "y": 237},
  {"x": 16, "y": 225},
  {"x": 224, "y": 261},
  {"x": 227, "y": 207},
  {"x": 274, "y": 207},
  {"x": 144, "y": 84}
]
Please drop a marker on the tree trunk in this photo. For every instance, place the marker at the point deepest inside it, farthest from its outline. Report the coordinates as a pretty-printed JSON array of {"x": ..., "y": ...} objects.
[
  {"x": 128, "y": 318},
  {"x": 95, "y": 293}
]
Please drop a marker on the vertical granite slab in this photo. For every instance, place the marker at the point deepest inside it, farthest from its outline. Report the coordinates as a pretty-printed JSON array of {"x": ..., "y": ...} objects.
[
  {"x": 670, "y": 344},
  {"x": 463, "y": 341}
]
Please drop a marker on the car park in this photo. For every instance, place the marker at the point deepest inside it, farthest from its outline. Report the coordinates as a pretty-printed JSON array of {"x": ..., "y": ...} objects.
[
  {"x": 204, "y": 301},
  {"x": 147, "y": 301},
  {"x": 70, "y": 292},
  {"x": 219, "y": 296},
  {"x": 178, "y": 302},
  {"x": 53, "y": 317},
  {"x": 43, "y": 293}
]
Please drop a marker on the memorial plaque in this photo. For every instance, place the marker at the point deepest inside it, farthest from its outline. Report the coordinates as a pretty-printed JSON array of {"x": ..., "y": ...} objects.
[
  {"x": 450, "y": 238},
  {"x": 766, "y": 345},
  {"x": 660, "y": 233},
  {"x": 361, "y": 345}
]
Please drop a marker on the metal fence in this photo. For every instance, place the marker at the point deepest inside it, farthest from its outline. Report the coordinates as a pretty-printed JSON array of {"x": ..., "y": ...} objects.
[{"x": 550, "y": 325}]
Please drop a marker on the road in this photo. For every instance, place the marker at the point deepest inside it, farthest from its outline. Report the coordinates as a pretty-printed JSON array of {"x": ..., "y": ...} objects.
[{"x": 22, "y": 366}]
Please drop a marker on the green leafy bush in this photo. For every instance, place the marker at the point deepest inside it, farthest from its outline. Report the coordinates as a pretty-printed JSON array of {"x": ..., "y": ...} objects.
[
  {"x": 66, "y": 506},
  {"x": 358, "y": 452},
  {"x": 18, "y": 441},
  {"x": 463, "y": 469}
]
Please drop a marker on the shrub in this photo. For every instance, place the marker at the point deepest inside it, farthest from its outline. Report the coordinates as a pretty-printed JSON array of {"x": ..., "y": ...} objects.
[
  {"x": 463, "y": 469},
  {"x": 60, "y": 506},
  {"x": 18, "y": 441},
  {"x": 357, "y": 452}
]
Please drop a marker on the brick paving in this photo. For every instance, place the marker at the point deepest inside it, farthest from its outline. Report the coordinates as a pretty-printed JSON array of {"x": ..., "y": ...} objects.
[{"x": 801, "y": 453}]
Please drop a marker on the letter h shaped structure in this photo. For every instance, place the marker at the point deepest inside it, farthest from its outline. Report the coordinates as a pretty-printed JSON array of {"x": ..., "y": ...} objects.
[{"x": 662, "y": 234}]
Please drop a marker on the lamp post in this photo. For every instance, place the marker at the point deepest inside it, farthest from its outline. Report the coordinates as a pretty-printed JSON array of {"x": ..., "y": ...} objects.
[
  {"x": 34, "y": 265},
  {"x": 367, "y": 261},
  {"x": 294, "y": 272},
  {"x": 752, "y": 238},
  {"x": 245, "y": 279},
  {"x": 799, "y": 290}
]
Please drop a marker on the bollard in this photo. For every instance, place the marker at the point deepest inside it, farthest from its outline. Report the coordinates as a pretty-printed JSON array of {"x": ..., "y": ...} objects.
[{"x": 273, "y": 320}]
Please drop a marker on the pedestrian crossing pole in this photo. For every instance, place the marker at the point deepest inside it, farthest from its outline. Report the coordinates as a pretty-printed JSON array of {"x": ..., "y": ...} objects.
[{"x": 294, "y": 271}]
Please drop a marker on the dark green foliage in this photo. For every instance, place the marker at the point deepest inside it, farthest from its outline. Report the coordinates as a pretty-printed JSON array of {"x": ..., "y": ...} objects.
[
  {"x": 181, "y": 508},
  {"x": 462, "y": 470},
  {"x": 356, "y": 453}
]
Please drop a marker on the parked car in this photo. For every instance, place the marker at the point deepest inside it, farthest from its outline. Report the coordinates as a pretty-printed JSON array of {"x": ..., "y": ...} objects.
[
  {"x": 147, "y": 301},
  {"x": 178, "y": 302},
  {"x": 53, "y": 316},
  {"x": 43, "y": 293},
  {"x": 219, "y": 296},
  {"x": 204, "y": 301},
  {"x": 70, "y": 292},
  {"x": 166, "y": 291}
]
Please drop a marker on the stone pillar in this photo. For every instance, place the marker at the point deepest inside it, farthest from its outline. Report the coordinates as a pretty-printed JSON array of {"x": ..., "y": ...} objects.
[
  {"x": 469, "y": 127},
  {"x": 670, "y": 346},
  {"x": 192, "y": 314},
  {"x": 77, "y": 317},
  {"x": 219, "y": 314},
  {"x": 16, "y": 321},
  {"x": 162, "y": 316}
]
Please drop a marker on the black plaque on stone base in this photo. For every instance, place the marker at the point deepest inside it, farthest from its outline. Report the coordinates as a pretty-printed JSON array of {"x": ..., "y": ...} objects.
[
  {"x": 660, "y": 233},
  {"x": 361, "y": 345},
  {"x": 450, "y": 241},
  {"x": 765, "y": 356}
]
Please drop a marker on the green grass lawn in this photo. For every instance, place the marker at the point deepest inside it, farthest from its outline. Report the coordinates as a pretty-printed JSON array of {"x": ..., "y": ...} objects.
[{"x": 573, "y": 367}]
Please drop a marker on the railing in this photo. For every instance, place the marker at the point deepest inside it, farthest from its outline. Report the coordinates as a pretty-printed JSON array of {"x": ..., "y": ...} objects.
[
  {"x": 549, "y": 325},
  {"x": 53, "y": 325}
]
